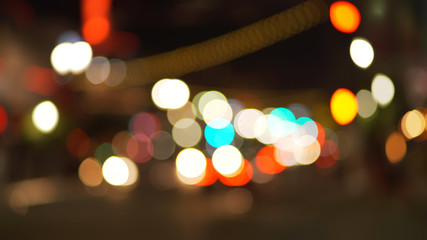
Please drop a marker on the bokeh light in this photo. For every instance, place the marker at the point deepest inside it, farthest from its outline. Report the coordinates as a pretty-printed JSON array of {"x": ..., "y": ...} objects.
[
  {"x": 248, "y": 125},
  {"x": 71, "y": 57},
  {"x": 103, "y": 152},
  {"x": 78, "y": 142},
  {"x": 366, "y": 102},
  {"x": 217, "y": 109},
  {"x": 96, "y": 30},
  {"x": 45, "y": 116},
  {"x": 395, "y": 147},
  {"x": 170, "y": 93},
  {"x": 145, "y": 123},
  {"x": 227, "y": 160},
  {"x": 265, "y": 160},
  {"x": 118, "y": 71},
  {"x": 242, "y": 178},
  {"x": 306, "y": 155},
  {"x": 186, "y": 111},
  {"x": 218, "y": 137},
  {"x": 3, "y": 119},
  {"x": 133, "y": 173},
  {"x": 140, "y": 148},
  {"x": 344, "y": 106},
  {"x": 361, "y": 52},
  {"x": 413, "y": 124},
  {"x": 120, "y": 141},
  {"x": 281, "y": 122},
  {"x": 90, "y": 172},
  {"x": 382, "y": 89},
  {"x": 210, "y": 176},
  {"x": 163, "y": 145},
  {"x": 345, "y": 17},
  {"x": 98, "y": 70},
  {"x": 205, "y": 98},
  {"x": 191, "y": 163},
  {"x": 186, "y": 132},
  {"x": 115, "y": 171}
]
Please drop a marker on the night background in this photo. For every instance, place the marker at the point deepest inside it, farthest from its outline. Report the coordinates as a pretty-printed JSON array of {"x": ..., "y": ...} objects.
[{"x": 100, "y": 140}]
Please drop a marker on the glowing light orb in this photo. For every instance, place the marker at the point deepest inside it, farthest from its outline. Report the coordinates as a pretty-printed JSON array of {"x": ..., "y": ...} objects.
[
  {"x": 45, "y": 116},
  {"x": 382, "y": 89},
  {"x": 265, "y": 160},
  {"x": 343, "y": 106},
  {"x": 98, "y": 70},
  {"x": 227, "y": 160},
  {"x": 366, "y": 102},
  {"x": 345, "y": 17},
  {"x": 218, "y": 137},
  {"x": 361, "y": 52},
  {"x": 395, "y": 147},
  {"x": 246, "y": 124},
  {"x": 191, "y": 163},
  {"x": 186, "y": 132},
  {"x": 71, "y": 57},
  {"x": 281, "y": 122},
  {"x": 90, "y": 172},
  {"x": 204, "y": 98},
  {"x": 170, "y": 93},
  {"x": 413, "y": 124},
  {"x": 115, "y": 171},
  {"x": 217, "y": 109}
]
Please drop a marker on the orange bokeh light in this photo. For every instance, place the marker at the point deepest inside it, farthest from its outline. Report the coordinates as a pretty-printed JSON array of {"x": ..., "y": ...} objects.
[
  {"x": 240, "y": 179},
  {"x": 96, "y": 30},
  {"x": 345, "y": 17},
  {"x": 265, "y": 160},
  {"x": 343, "y": 106},
  {"x": 210, "y": 176}
]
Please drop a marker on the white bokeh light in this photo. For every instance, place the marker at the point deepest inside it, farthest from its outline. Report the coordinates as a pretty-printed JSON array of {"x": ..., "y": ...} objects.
[
  {"x": 361, "y": 52},
  {"x": 71, "y": 57},
  {"x": 170, "y": 93},
  {"x": 45, "y": 116},
  {"x": 227, "y": 160},
  {"x": 382, "y": 89},
  {"x": 191, "y": 163},
  {"x": 115, "y": 171}
]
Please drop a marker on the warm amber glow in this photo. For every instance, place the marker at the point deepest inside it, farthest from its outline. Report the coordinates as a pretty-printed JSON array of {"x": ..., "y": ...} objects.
[
  {"x": 395, "y": 147},
  {"x": 345, "y": 17},
  {"x": 413, "y": 124},
  {"x": 343, "y": 106},
  {"x": 90, "y": 172}
]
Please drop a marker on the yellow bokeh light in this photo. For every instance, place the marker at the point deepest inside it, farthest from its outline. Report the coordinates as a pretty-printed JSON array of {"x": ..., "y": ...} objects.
[
  {"x": 191, "y": 163},
  {"x": 227, "y": 160},
  {"x": 382, "y": 89},
  {"x": 344, "y": 106},
  {"x": 45, "y": 116},
  {"x": 217, "y": 109},
  {"x": 395, "y": 147},
  {"x": 366, "y": 102},
  {"x": 170, "y": 93},
  {"x": 413, "y": 124},
  {"x": 133, "y": 173},
  {"x": 90, "y": 172},
  {"x": 361, "y": 52},
  {"x": 204, "y": 98},
  {"x": 115, "y": 171}
]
